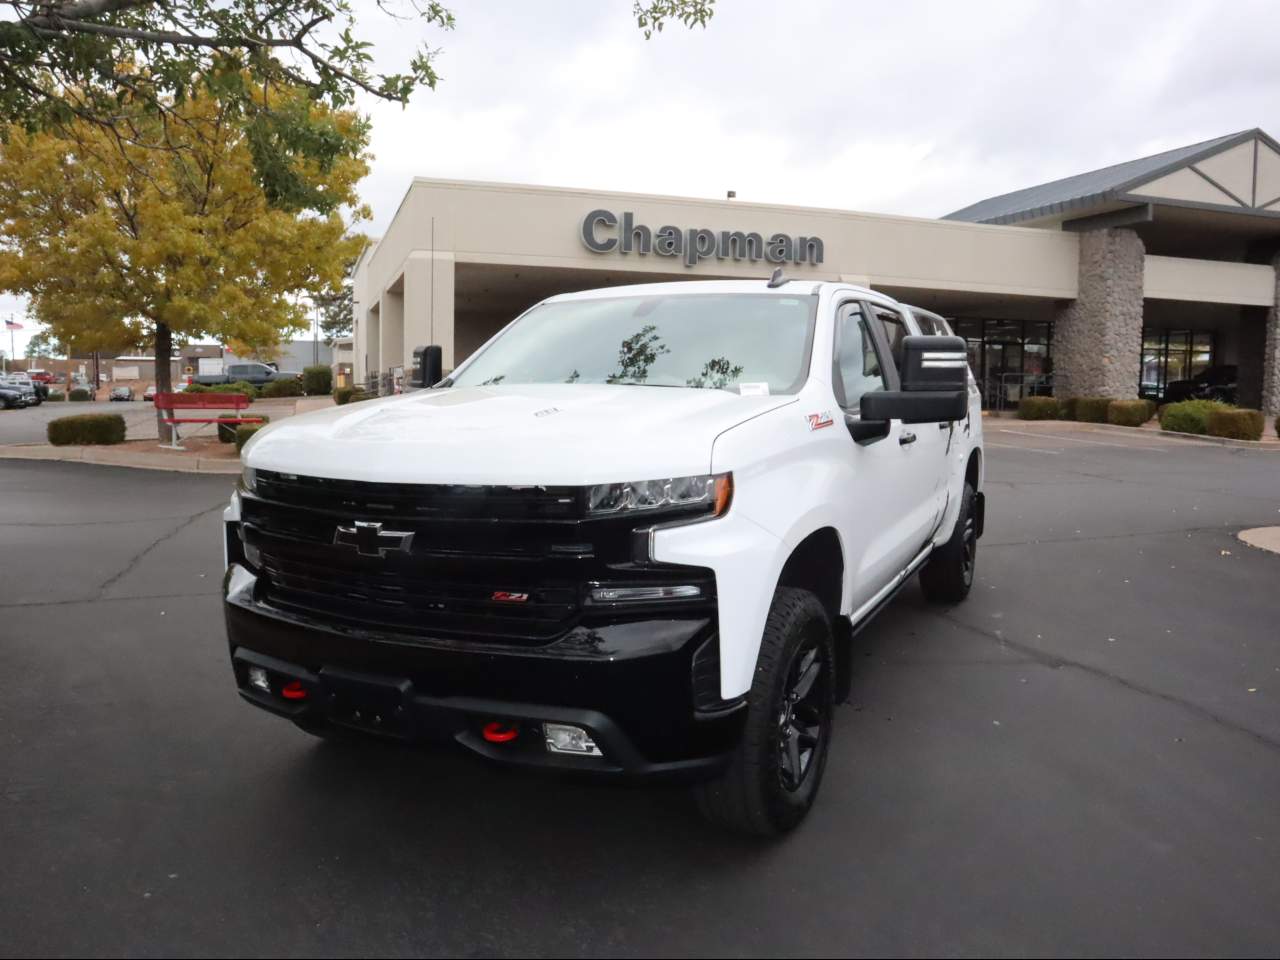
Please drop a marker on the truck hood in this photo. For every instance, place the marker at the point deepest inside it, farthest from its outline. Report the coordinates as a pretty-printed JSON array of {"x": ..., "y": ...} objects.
[{"x": 537, "y": 434}]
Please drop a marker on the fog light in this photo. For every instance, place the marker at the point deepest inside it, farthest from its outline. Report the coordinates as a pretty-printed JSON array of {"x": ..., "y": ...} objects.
[
  {"x": 656, "y": 592},
  {"x": 258, "y": 678},
  {"x": 564, "y": 738},
  {"x": 252, "y": 556}
]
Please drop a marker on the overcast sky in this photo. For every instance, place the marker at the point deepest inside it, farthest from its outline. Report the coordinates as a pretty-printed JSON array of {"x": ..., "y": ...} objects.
[{"x": 902, "y": 107}]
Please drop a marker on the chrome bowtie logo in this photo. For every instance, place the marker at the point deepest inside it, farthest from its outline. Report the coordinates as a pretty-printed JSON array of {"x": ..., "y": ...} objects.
[{"x": 370, "y": 540}]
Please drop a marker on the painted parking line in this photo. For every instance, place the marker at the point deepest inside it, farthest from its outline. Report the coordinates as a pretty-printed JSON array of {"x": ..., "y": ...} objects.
[
  {"x": 1096, "y": 443},
  {"x": 1011, "y": 446}
]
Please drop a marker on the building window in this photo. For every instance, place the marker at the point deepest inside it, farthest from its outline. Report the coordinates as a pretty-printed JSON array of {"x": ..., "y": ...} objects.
[
  {"x": 1011, "y": 359},
  {"x": 1169, "y": 355}
]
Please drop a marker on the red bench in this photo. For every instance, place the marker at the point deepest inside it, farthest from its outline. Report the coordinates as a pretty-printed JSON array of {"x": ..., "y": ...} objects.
[{"x": 169, "y": 403}]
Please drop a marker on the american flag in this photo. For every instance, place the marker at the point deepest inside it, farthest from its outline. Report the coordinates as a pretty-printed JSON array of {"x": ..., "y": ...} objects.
[{"x": 11, "y": 325}]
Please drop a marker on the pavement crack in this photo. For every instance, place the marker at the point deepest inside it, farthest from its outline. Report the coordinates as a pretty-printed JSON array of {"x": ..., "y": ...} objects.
[
  {"x": 141, "y": 554},
  {"x": 1055, "y": 662}
]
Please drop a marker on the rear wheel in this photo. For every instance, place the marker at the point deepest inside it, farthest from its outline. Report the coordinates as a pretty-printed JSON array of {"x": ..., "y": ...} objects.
[
  {"x": 773, "y": 776},
  {"x": 948, "y": 575}
]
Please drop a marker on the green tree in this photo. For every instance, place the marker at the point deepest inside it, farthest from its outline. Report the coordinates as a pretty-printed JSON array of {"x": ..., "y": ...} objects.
[
  {"x": 336, "y": 310},
  {"x": 86, "y": 59},
  {"x": 119, "y": 243},
  {"x": 44, "y": 344}
]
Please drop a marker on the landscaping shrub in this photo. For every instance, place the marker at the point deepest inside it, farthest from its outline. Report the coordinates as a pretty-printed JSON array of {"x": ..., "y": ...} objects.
[
  {"x": 1128, "y": 413},
  {"x": 78, "y": 394},
  {"x": 1092, "y": 409},
  {"x": 1152, "y": 408},
  {"x": 1278, "y": 426},
  {"x": 1189, "y": 416},
  {"x": 1067, "y": 409},
  {"x": 97, "y": 428},
  {"x": 244, "y": 432},
  {"x": 1236, "y": 423},
  {"x": 350, "y": 395},
  {"x": 317, "y": 381},
  {"x": 56, "y": 396},
  {"x": 240, "y": 386},
  {"x": 196, "y": 388},
  {"x": 1037, "y": 408},
  {"x": 282, "y": 388},
  {"x": 227, "y": 431}
]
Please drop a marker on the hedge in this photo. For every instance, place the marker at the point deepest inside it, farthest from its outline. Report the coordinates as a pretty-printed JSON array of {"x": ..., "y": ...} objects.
[
  {"x": 282, "y": 388},
  {"x": 227, "y": 431},
  {"x": 1189, "y": 416},
  {"x": 1092, "y": 409},
  {"x": 78, "y": 394},
  {"x": 1129, "y": 413},
  {"x": 350, "y": 395},
  {"x": 244, "y": 432},
  {"x": 56, "y": 396},
  {"x": 240, "y": 386},
  {"x": 1037, "y": 408},
  {"x": 1278, "y": 426},
  {"x": 1236, "y": 423},
  {"x": 317, "y": 381},
  {"x": 1067, "y": 408},
  {"x": 94, "y": 428}
]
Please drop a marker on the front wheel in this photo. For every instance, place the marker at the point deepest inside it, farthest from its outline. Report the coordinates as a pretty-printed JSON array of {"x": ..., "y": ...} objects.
[
  {"x": 948, "y": 575},
  {"x": 773, "y": 775}
]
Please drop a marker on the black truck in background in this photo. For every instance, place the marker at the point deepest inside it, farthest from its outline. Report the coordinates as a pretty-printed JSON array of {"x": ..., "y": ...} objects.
[{"x": 248, "y": 372}]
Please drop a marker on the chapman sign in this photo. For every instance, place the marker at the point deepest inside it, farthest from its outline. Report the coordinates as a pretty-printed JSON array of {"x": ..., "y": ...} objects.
[{"x": 603, "y": 232}]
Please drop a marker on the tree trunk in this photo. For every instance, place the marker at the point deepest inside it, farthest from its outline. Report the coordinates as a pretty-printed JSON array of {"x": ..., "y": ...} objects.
[{"x": 164, "y": 382}]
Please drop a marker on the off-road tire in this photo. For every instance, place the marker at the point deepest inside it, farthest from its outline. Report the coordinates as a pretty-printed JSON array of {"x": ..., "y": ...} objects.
[
  {"x": 948, "y": 574},
  {"x": 750, "y": 795}
]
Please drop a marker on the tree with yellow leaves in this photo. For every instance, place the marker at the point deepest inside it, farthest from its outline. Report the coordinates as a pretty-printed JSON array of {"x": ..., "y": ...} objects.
[{"x": 118, "y": 244}]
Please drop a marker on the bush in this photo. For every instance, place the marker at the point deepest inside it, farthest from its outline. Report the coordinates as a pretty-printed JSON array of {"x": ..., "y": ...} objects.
[
  {"x": 283, "y": 388},
  {"x": 196, "y": 388},
  {"x": 1189, "y": 416},
  {"x": 1278, "y": 426},
  {"x": 1152, "y": 408},
  {"x": 240, "y": 386},
  {"x": 96, "y": 428},
  {"x": 317, "y": 381},
  {"x": 1236, "y": 423},
  {"x": 350, "y": 395},
  {"x": 1092, "y": 409},
  {"x": 78, "y": 394},
  {"x": 244, "y": 432},
  {"x": 1037, "y": 408},
  {"x": 56, "y": 396},
  {"x": 1067, "y": 409},
  {"x": 227, "y": 431},
  {"x": 1129, "y": 413}
]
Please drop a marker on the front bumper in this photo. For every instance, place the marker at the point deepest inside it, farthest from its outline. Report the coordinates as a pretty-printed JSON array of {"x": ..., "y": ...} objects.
[{"x": 631, "y": 685}]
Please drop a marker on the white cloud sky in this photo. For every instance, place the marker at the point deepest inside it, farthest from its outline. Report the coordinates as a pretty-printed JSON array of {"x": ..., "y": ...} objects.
[{"x": 915, "y": 107}]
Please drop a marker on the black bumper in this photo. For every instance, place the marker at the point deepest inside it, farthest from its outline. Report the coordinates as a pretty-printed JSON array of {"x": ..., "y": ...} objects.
[{"x": 631, "y": 685}]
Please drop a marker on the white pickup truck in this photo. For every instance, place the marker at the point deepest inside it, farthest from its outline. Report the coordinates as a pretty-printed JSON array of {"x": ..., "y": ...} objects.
[{"x": 634, "y": 534}]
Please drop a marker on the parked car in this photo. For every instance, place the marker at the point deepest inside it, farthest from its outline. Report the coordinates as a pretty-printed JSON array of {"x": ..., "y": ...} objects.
[
  {"x": 122, "y": 393},
  {"x": 633, "y": 535},
  {"x": 33, "y": 396},
  {"x": 1211, "y": 383},
  {"x": 11, "y": 396},
  {"x": 150, "y": 392},
  {"x": 254, "y": 373},
  {"x": 40, "y": 376}
]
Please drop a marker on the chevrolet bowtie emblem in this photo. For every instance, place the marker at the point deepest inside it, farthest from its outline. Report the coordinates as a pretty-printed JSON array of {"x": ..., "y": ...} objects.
[{"x": 370, "y": 540}]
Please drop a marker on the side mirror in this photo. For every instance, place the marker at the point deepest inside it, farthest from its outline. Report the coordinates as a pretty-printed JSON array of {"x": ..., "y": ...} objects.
[
  {"x": 935, "y": 384},
  {"x": 428, "y": 367}
]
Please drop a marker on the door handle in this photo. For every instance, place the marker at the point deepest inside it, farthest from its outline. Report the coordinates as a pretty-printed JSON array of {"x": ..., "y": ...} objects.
[{"x": 906, "y": 437}]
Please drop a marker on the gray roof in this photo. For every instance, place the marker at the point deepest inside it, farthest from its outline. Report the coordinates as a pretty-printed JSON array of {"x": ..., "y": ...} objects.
[{"x": 1096, "y": 186}]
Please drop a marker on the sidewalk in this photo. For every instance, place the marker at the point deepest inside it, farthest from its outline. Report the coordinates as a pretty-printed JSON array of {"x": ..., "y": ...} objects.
[
  {"x": 1148, "y": 430},
  {"x": 203, "y": 455}
]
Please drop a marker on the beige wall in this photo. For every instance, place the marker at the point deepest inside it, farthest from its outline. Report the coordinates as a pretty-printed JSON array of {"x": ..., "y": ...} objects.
[{"x": 1209, "y": 281}]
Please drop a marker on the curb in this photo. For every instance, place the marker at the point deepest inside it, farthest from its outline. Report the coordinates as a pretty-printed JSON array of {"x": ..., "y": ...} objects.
[
  {"x": 108, "y": 458},
  {"x": 1105, "y": 428}
]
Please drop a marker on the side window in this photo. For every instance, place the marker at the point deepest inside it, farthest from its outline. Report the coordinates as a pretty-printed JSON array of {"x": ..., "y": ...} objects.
[
  {"x": 895, "y": 331},
  {"x": 931, "y": 325},
  {"x": 857, "y": 365}
]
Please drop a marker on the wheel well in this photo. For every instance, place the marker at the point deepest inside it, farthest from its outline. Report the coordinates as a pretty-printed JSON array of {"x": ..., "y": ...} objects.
[
  {"x": 817, "y": 565},
  {"x": 971, "y": 470}
]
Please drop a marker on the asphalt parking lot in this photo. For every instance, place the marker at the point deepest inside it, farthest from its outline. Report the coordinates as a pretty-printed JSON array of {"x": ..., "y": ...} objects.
[{"x": 1084, "y": 758}]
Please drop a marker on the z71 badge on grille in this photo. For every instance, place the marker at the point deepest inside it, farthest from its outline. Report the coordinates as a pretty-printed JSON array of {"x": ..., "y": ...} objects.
[{"x": 370, "y": 540}]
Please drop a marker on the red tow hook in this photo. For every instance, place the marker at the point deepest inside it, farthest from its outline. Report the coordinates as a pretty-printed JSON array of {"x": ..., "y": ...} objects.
[
  {"x": 294, "y": 690},
  {"x": 498, "y": 732}
]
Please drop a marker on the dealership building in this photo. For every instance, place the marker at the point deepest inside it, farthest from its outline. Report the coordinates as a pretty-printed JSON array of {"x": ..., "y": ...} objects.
[{"x": 1110, "y": 283}]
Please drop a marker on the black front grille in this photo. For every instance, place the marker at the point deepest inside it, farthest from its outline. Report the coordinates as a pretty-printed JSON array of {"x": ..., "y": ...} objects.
[{"x": 489, "y": 564}]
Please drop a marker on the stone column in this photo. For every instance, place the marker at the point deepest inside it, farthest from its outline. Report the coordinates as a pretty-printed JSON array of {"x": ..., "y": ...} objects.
[
  {"x": 1271, "y": 354},
  {"x": 1097, "y": 339}
]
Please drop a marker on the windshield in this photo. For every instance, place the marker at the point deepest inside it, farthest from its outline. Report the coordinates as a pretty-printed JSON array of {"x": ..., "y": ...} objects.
[{"x": 748, "y": 342}]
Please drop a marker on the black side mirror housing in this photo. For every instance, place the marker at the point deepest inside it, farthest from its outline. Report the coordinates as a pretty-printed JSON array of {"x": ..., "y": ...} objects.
[
  {"x": 428, "y": 367},
  {"x": 935, "y": 384}
]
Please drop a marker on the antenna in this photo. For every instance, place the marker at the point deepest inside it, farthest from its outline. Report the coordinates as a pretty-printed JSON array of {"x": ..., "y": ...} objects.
[{"x": 777, "y": 279}]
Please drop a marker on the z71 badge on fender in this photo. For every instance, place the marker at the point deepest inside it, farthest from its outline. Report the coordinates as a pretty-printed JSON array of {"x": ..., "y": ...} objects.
[{"x": 819, "y": 420}]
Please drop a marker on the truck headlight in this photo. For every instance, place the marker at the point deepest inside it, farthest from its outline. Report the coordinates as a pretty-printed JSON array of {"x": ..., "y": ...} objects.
[
  {"x": 249, "y": 479},
  {"x": 707, "y": 493}
]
